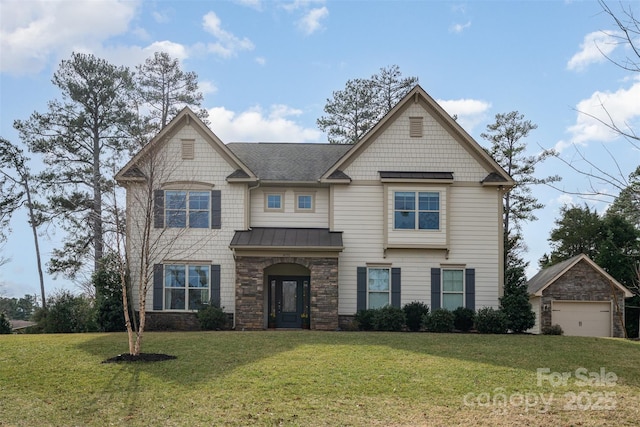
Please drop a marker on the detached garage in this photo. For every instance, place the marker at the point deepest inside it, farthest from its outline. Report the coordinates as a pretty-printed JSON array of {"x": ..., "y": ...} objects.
[{"x": 579, "y": 296}]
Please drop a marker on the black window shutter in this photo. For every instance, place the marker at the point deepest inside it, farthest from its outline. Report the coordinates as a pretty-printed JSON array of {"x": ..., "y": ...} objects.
[
  {"x": 216, "y": 209},
  {"x": 395, "y": 287},
  {"x": 361, "y": 303},
  {"x": 470, "y": 291},
  {"x": 215, "y": 285},
  {"x": 157, "y": 287},
  {"x": 158, "y": 208},
  {"x": 435, "y": 289}
]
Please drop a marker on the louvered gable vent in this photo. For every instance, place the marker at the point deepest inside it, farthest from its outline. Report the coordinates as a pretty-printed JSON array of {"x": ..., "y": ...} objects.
[
  {"x": 188, "y": 149},
  {"x": 415, "y": 127}
]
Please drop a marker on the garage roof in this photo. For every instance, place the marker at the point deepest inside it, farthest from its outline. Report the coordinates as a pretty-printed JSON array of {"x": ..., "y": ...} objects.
[{"x": 547, "y": 276}]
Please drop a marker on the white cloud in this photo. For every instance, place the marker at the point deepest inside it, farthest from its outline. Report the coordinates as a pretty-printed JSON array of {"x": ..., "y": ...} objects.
[
  {"x": 162, "y": 16},
  {"x": 261, "y": 60},
  {"x": 470, "y": 112},
  {"x": 458, "y": 28},
  {"x": 593, "y": 50},
  {"x": 621, "y": 107},
  {"x": 254, "y": 125},
  {"x": 35, "y": 33},
  {"x": 310, "y": 22},
  {"x": 134, "y": 55},
  {"x": 226, "y": 44},
  {"x": 207, "y": 87}
]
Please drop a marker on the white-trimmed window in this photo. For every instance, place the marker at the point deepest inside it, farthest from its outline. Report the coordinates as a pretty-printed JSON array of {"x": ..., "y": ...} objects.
[
  {"x": 274, "y": 202},
  {"x": 416, "y": 210},
  {"x": 187, "y": 209},
  {"x": 186, "y": 287},
  {"x": 305, "y": 202},
  {"x": 378, "y": 287},
  {"x": 452, "y": 288}
]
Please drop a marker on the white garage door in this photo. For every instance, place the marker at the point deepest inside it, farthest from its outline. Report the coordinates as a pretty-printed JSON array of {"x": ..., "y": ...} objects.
[{"x": 582, "y": 318}]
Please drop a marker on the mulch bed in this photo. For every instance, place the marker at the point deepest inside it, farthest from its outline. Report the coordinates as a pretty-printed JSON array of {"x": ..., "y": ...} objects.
[{"x": 142, "y": 357}]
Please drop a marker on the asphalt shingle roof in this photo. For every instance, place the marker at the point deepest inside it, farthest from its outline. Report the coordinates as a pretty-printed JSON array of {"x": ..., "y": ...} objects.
[
  {"x": 543, "y": 276},
  {"x": 288, "y": 161}
]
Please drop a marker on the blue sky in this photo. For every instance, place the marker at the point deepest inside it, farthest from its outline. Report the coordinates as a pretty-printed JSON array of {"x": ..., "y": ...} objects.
[{"x": 266, "y": 69}]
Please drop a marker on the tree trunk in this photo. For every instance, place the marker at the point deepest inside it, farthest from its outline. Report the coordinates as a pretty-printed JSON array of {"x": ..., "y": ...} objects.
[{"x": 34, "y": 229}]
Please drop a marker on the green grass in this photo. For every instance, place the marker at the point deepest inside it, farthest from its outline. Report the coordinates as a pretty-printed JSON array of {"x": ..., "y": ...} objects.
[{"x": 314, "y": 378}]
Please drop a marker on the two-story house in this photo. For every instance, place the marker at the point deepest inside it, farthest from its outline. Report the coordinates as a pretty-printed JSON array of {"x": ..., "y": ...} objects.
[{"x": 288, "y": 233}]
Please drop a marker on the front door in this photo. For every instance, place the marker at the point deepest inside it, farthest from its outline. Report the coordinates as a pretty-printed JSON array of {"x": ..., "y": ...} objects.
[{"x": 289, "y": 300}]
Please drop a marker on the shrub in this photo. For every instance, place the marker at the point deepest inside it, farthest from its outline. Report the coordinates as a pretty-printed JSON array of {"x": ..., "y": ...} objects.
[
  {"x": 552, "y": 330},
  {"x": 388, "y": 318},
  {"x": 5, "y": 326},
  {"x": 212, "y": 318},
  {"x": 364, "y": 319},
  {"x": 67, "y": 313},
  {"x": 413, "y": 312},
  {"x": 517, "y": 309},
  {"x": 463, "y": 318},
  {"x": 439, "y": 320},
  {"x": 491, "y": 321},
  {"x": 109, "y": 307}
]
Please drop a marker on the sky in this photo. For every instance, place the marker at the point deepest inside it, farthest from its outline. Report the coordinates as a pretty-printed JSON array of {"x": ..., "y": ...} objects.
[{"x": 267, "y": 69}]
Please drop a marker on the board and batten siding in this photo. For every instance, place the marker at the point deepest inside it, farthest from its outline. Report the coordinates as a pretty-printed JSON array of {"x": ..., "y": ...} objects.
[
  {"x": 199, "y": 245},
  {"x": 318, "y": 217}
]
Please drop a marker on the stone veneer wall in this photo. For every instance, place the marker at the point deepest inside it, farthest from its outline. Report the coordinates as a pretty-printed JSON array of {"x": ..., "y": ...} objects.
[
  {"x": 250, "y": 290},
  {"x": 583, "y": 283}
]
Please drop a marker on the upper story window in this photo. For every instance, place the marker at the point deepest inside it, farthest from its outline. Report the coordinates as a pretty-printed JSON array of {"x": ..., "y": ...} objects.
[
  {"x": 187, "y": 209},
  {"x": 305, "y": 202},
  {"x": 186, "y": 286},
  {"x": 274, "y": 202},
  {"x": 416, "y": 210}
]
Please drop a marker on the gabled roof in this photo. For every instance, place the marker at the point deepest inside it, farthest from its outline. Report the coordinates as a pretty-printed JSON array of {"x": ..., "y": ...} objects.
[
  {"x": 131, "y": 171},
  {"x": 497, "y": 176},
  {"x": 288, "y": 162},
  {"x": 545, "y": 277}
]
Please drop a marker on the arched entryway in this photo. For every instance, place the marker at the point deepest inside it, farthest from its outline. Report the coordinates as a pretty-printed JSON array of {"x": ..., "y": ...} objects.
[{"x": 288, "y": 295}]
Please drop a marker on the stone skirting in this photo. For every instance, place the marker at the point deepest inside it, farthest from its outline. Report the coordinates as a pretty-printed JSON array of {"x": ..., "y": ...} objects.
[{"x": 250, "y": 290}]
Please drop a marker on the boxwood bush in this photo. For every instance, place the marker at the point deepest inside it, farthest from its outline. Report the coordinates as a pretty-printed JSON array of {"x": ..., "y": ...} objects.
[
  {"x": 413, "y": 312},
  {"x": 491, "y": 321},
  {"x": 212, "y": 318},
  {"x": 463, "y": 319},
  {"x": 439, "y": 320}
]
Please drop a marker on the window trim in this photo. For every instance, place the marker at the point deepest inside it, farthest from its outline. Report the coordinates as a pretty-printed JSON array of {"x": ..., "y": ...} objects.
[
  {"x": 462, "y": 293},
  {"x": 297, "y": 207},
  {"x": 266, "y": 201},
  {"x": 187, "y": 210},
  {"x": 389, "y": 291},
  {"x": 186, "y": 288},
  {"x": 416, "y": 211}
]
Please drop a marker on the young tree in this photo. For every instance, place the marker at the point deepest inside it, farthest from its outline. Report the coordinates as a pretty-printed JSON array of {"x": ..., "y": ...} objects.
[
  {"x": 577, "y": 231},
  {"x": 16, "y": 185},
  {"x": 81, "y": 137},
  {"x": 354, "y": 110},
  {"x": 164, "y": 89}
]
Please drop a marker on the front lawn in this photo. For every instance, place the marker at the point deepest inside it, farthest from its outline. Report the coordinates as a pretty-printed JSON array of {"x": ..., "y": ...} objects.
[{"x": 320, "y": 378}]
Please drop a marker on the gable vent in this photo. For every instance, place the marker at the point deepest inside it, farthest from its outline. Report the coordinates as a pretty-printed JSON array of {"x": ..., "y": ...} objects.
[
  {"x": 415, "y": 127},
  {"x": 188, "y": 149}
]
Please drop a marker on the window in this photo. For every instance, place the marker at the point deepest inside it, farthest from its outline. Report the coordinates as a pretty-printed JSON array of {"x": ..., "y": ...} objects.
[
  {"x": 304, "y": 203},
  {"x": 378, "y": 287},
  {"x": 425, "y": 217},
  {"x": 186, "y": 286},
  {"x": 187, "y": 209},
  {"x": 273, "y": 202},
  {"x": 452, "y": 289}
]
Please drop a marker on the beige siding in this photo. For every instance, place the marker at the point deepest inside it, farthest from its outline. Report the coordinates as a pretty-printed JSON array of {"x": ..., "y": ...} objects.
[
  {"x": 474, "y": 242},
  {"x": 206, "y": 246},
  {"x": 435, "y": 151},
  {"x": 535, "y": 306},
  {"x": 290, "y": 216}
]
